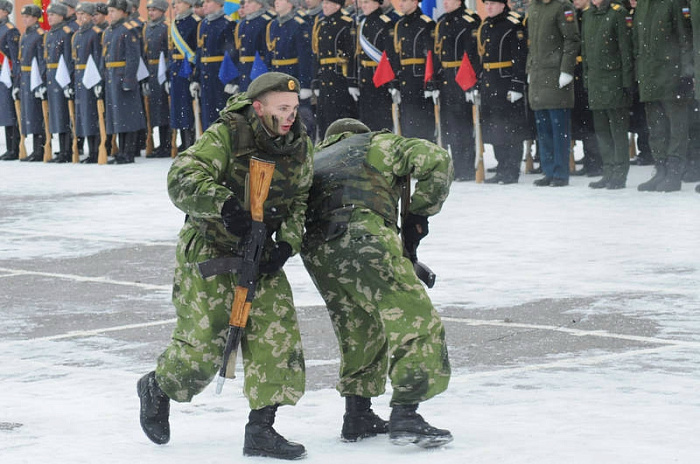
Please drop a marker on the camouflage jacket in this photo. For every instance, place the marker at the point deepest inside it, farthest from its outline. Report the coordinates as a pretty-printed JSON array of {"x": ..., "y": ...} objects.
[{"x": 215, "y": 168}]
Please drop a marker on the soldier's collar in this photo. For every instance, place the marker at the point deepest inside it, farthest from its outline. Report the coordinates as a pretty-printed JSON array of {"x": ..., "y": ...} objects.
[
  {"x": 257, "y": 14},
  {"x": 4, "y": 20},
  {"x": 58, "y": 26},
  {"x": 153, "y": 22},
  {"x": 215, "y": 16},
  {"x": 184, "y": 15},
  {"x": 314, "y": 11},
  {"x": 287, "y": 17}
]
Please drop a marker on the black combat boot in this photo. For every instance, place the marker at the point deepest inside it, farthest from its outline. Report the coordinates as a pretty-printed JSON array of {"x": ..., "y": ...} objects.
[
  {"x": 674, "y": 175},
  {"x": 659, "y": 174},
  {"x": 360, "y": 421},
  {"x": 163, "y": 150},
  {"x": 262, "y": 440},
  {"x": 93, "y": 149},
  {"x": 407, "y": 426},
  {"x": 155, "y": 409},
  {"x": 599, "y": 184},
  {"x": 12, "y": 141}
]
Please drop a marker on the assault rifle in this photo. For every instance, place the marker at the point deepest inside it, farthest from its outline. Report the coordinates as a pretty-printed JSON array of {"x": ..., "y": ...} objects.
[
  {"x": 423, "y": 272},
  {"x": 247, "y": 268}
]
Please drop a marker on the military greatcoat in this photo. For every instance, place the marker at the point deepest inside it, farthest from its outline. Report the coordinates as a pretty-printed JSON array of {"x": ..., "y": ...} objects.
[
  {"x": 9, "y": 50},
  {"x": 181, "y": 112},
  {"x": 156, "y": 42},
  {"x": 250, "y": 39},
  {"x": 57, "y": 44},
  {"x": 86, "y": 43},
  {"x": 31, "y": 47}
]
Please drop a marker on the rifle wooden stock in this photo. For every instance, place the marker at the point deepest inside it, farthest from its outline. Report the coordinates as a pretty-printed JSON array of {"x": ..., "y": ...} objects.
[
  {"x": 47, "y": 131},
  {"x": 438, "y": 127},
  {"x": 197, "y": 117},
  {"x": 529, "y": 161},
  {"x": 149, "y": 128},
  {"x": 22, "y": 148},
  {"x": 259, "y": 185},
  {"x": 173, "y": 137},
  {"x": 115, "y": 147},
  {"x": 572, "y": 160},
  {"x": 102, "y": 151},
  {"x": 74, "y": 147},
  {"x": 479, "y": 142},
  {"x": 632, "y": 145}
]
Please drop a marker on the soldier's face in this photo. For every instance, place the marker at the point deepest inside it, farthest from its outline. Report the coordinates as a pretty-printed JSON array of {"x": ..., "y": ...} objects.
[
  {"x": 98, "y": 18},
  {"x": 4, "y": 14},
  {"x": 180, "y": 7},
  {"x": 54, "y": 19},
  {"x": 329, "y": 7},
  {"x": 368, "y": 6},
  {"x": 277, "y": 110},
  {"x": 154, "y": 14},
  {"x": 408, "y": 6},
  {"x": 451, "y": 5},
  {"x": 250, "y": 7},
  {"x": 580, "y": 4},
  {"x": 494, "y": 8},
  {"x": 115, "y": 14},
  {"x": 597, "y": 3},
  {"x": 312, "y": 3},
  {"x": 282, "y": 7},
  {"x": 83, "y": 18},
  {"x": 210, "y": 6},
  {"x": 29, "y": 20}
]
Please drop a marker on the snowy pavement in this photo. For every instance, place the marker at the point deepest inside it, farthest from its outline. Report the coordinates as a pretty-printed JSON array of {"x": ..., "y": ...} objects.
[{"x": 572, "y": 317}]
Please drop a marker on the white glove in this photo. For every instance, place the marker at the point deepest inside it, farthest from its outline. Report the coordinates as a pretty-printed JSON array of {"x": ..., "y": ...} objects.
[
  {"x": 436, "y": 96},
  {"x": 40, "y": 92},
  {"x": 528, "y": 78},
  {"x": 166, "y": 87},
  {"x": 305, "y": 94},
  {"x": 317, "y": 92},
  {"x": 15, "y": 93},
  {"x": 68, "y": 92},
  {"x": 145, "y": 89},
  {"x": 565, "y": 79},
  {"x": 231, "y": 89},
  {"x": 513, "y": 96},
  {"x": 194, "y": 89},
  {"x": 471, "y": 95},
  {"x": 427, "y": 94},
  {"x": 354, "y": 93},
  {"x": 98, "y": 91},
  {"x": 395, "y": 96}
]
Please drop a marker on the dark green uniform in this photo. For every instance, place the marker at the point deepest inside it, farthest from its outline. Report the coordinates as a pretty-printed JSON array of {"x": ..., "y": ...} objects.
[
  {"x": 382, "y": 316},
  {"x": 606, "y": 49}
]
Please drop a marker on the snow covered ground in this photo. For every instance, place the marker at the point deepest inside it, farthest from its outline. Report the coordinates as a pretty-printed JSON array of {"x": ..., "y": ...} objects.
[{"x": 573, "y": 316}]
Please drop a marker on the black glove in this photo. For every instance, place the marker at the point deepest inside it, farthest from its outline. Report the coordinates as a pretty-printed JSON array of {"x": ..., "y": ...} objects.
[
  {"x": 278, "y": 256},
  {"x": 236, "y": 219},
  {"x": 415, "y": 228}
]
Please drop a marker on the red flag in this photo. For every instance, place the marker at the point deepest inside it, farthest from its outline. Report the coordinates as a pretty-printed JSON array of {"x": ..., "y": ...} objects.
[
  {"x": 44, "y": 20},
  {"x": 466, "y": 77},
  {"x": 428, "y": 68},
  {"x": 384, "y": 73}
]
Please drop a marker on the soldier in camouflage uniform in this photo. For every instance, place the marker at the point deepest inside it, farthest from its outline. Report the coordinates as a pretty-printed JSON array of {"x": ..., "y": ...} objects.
[
  {"x": 381, "y": 314},
  {"x": 208, "y": 183}
]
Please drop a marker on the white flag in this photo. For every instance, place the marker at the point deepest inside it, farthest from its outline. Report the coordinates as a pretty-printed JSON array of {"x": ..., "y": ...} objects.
[
  {"x": 62, "y": 74},
  {"x": 5, "y": 74},
  {"x": 91, "y": 77},
  {"x": 142, "y": 72},
  {"x": 162, "y": 72},
  {"x": 35, "y": 78}
]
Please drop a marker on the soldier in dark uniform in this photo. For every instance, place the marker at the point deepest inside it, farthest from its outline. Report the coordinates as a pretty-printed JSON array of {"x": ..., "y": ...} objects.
[
  {"x": 375, "y": 35},
  {"x": 32, "y": 47},
  {"x": 183, "y": 46},
  {"x": 121, "y": 54},
  {"x": 455, "y": 35},
  {"x": 288, "y": 44},
  {"x": 250, "y": 39},
  {"x": 413, "y": 38},
  {"x": 503, "y": 50},
  {"x": 9, "y": 52},
  {"x": 57, "y": 45},
  {"x": 156, "y": 44},
  {"x": 100, "y": 16},
  {"x": 71, "y": 16},
  {"x": 86, "y": 43},
  {"x": 334, "y": 44},
  {"x": 214, "y": 38}
]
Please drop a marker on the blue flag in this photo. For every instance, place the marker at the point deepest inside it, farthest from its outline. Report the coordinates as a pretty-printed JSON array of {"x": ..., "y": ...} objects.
[
  {"x": 231, "y": 8},
  {"x": 185, "y": 69},
  {"x": 259, "y": 67},
  {"x": 427, "y": 6},
  {"x": 228, "y": 71}
]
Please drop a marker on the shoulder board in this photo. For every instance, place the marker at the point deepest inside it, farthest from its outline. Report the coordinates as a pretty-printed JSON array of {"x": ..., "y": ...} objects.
[
  {"x": 515, "y": 14},
  {"x": 196, "y": 17},
  {"x": 128, "y": 26},
  {"x": 266, "y": 16},
  {"x": 301, "y": 13},
  {"x": 616, "y": 6},
  {"x": 40, "y": 31},
  {"x": 96, "y": 29},
  {"x": 385, "y": 18},
  {"x": 514, "y": 20},
  {"x": 299, "y": 19},
  {"x": 67, "y": 29},
  {"x": 468, "y": 18},
  {"x": 426, "y": 18},
  {"x": 10, "y": 26},
  {"x": 227, "y": 18},
  {"x": 470, "y": 12},
  {"x": 346, "y": 18},
  {"x": 587, "y": 7}
]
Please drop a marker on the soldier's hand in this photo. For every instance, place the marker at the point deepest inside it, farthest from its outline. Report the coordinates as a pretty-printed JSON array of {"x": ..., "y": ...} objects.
[
  {"x": 415, "y": 228},
  {"x": 98, "y": 91},
  {"x": 69, "y": 93},
  {"x": 194, "y": 89},
  {"x": 231, "y": 89},
  {"x": 513, "y": 96},
  {"x": 471, "y": 95},
  {"x": 305, "y": 94},
  {"x": 237, "y": 220},
  {"x": 40, "y": 92},
  {"x": 15, "y": 93},
  {"x": 166, "y": 87},
  {"x": 354, "y": 93},
  {"x": 395, "y": 96},
  {"x": 565, "y": 79},
  {"x": 279, "y": 255}
]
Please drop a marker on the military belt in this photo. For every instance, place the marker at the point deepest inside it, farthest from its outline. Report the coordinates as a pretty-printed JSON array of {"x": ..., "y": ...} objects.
[
  {"x": 212, "y": 59},
  {"x": 80, "y": 66},
  {"x": 246, "y": 59},
  {"x": 287, "y": 62},
  {"x": 497, "y": 65},
  {"x": 154, "y": 61},
  {"x": 52, "y": 65},
  {"x": 450, "y": 64},
  {"x": 369, "y": 63},
  {"x": 25, "y": 68},
  {"x": 115, "y": 64},
  {"x": 335, "y": 60},
  {"x": 411, "y": 61},
  {"x": 178, "y": 56}
]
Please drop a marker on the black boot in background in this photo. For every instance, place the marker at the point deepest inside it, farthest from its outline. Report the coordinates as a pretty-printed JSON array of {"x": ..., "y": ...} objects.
[
  {"x": 155, "y": 409},
  {"x": 674, "y": 175},
  {"x": 650, "y": 185},
  {"x": 359, "y": 421},
  {"x": 12, "y": 141},
  {"x": 262, "y": 440},
  {"x": 93, "y": 148},
  {"x": 407, "y": 426}
]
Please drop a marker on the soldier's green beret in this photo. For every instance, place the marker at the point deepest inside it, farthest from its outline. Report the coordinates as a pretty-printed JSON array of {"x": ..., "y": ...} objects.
[
  {"x": 32, "y": 10},
  {"x": 161, "y": 5},
  {"x": 6, "y": 5},
  {"x": 119, "y": 5},
  {"x": 87, "y": 8},
  {"x": 58, "y": 8},
  {"x": 70, "y": 3},
  {"x": 346, "y": 125},
  {"x": 272, "y": 82}
]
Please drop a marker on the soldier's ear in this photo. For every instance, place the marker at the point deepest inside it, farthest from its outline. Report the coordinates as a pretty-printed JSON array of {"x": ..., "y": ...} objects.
[{"x": 257, "y": 106}]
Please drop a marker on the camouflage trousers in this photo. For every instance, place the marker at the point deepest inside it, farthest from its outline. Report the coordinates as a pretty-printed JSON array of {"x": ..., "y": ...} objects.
[
  {"x": 380, "y": 311},
  {"x": 273, "y": 360}
]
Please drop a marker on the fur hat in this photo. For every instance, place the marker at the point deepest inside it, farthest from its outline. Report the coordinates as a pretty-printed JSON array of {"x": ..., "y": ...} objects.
[
  {"x": 119, "y": 5},
  {"x": 32, "y": 10},
  {"x": 57, "y": 8},
  {"x": 70, "y": 3},
  {"x": 161, "y": 5},
  {"x": 87, "y": 8},
  {"x": 101, "y": 8},
  {"x": 6, "y": 5}
]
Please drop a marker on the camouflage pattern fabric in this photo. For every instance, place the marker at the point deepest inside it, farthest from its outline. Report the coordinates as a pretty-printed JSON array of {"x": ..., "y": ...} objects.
[
  {"x": 380, "y": 311},
  {"x": 199, "y": 182}
]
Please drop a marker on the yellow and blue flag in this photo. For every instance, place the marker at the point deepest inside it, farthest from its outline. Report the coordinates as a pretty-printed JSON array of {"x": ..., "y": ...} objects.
[{"x": 231, "y": 8}]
